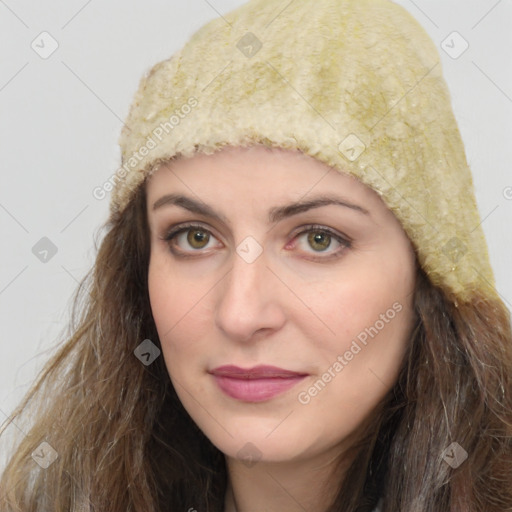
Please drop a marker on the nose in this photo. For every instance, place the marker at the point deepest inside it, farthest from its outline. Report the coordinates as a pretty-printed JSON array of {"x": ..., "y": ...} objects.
[{"x": 249, "y": 303}]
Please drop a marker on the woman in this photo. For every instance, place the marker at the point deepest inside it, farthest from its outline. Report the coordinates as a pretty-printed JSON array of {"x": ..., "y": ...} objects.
[{"x": 293, "y": 307}]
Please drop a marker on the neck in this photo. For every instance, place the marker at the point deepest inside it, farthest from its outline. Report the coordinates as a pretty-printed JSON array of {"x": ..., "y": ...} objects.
[{"x": 276, "y": 486}]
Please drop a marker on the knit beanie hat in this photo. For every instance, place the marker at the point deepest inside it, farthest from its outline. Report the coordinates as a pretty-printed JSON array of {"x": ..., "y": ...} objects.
[{"x": 356, "y": 84}]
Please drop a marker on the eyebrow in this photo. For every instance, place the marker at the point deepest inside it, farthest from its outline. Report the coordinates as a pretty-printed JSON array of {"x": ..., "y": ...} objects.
[{"x": 275, "y": 214}]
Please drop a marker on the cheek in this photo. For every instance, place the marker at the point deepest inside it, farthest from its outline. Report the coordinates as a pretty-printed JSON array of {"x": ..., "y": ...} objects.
[
  {"x": 167, "y": 307},
  {"x": 173, "y": 295},
  {"x": 358, "y": 298},
  {"x": 369, "y": 315},
  {"x": 181, "y": 312},
  {"x": 161, "y": 297},
  {"x": 360, "y": 364}
]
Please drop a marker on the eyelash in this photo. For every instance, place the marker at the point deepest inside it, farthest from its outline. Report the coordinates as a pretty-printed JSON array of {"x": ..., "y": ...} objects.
[{"x": 344, "y": 241}]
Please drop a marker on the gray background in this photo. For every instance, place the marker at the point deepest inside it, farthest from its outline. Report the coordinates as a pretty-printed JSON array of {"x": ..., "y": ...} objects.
[{"x": 60, "y": 118}]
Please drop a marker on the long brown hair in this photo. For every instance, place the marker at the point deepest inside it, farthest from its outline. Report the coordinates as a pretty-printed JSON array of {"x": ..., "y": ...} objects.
[{"x": 125, "y": 442}]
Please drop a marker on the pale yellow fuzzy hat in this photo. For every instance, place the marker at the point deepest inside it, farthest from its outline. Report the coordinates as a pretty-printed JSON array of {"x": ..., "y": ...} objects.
[{"x": 356, "y": 84}]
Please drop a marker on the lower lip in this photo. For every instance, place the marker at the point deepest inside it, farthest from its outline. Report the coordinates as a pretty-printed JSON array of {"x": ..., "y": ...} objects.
[{"x": 256, "y": 390}]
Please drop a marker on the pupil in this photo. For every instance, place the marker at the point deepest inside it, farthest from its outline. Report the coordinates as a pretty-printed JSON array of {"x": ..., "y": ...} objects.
[
  {"x": 197, "y": 238},
  {"x": 320, "y": 240}
]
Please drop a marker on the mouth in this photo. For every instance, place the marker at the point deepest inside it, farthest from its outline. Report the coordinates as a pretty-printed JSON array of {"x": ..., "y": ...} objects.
[{"x": 256, "y": 384}]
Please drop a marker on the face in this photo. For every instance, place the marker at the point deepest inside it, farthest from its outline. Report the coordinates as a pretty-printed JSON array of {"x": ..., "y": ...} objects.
[{"x": 282, "y": 294}]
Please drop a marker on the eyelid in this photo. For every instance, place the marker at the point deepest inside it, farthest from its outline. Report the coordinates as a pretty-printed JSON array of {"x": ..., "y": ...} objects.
[
  {"x": 173, "y": 230},
  {"x": 305, "y": 228}
]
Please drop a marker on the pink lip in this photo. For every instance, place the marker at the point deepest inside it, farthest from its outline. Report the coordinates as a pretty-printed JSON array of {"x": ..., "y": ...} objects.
[{"x": 255, "y": 384}]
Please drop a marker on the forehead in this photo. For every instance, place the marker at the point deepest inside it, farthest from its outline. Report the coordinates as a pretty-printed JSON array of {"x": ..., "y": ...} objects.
[{"x": 255, "y": 170}]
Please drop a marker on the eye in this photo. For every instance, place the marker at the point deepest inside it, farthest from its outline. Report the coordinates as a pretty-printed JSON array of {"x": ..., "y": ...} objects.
[
  {"x": 185, "y": 240},
  {"x": 189, "y": 238},
  {"x": 320, "y": 239}
]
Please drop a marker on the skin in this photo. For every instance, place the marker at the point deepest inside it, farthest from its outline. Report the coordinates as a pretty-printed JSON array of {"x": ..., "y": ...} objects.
[{"x": 299, "y": 305}]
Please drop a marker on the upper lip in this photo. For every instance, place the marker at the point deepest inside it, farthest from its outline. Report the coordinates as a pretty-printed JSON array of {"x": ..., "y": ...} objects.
[{"x": 257, "y": 372}]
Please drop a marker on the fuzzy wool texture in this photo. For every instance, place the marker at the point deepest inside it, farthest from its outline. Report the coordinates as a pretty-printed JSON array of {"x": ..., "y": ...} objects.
[{"x": 356, "y": 84}]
